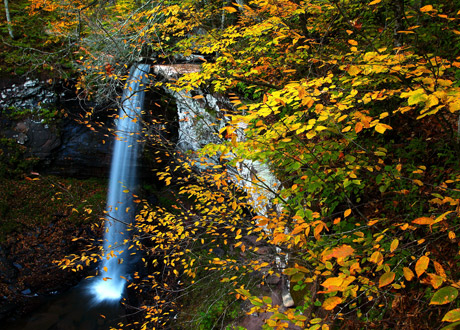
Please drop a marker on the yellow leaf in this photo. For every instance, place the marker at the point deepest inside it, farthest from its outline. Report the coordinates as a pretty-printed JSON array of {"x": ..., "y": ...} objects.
[
  {"x": 333, "y": 283},
  {"x": 353, "y": 42},
  {"x": 353, "y": 70},
  {"x": 331, "y": 302},
  {"x": 408, "y": 274},
  {"x": 394, "y": 245},
  {"x": 431, "y": 101},
  {"x": 374, "y": 2},
  {"x": 347, "y": 213},
  {"x": 421, "y": 265},
  {"x": 230, "y": 9},
  {"x": 376, "y": 258},
  {"x": 381, "y": 128},
  {"x": 418, "y": 182},
  {"x": 105, "y": 269}
]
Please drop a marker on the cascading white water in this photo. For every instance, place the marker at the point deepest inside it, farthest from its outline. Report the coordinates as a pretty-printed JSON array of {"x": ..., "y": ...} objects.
[{"x": 123, "y": 179}]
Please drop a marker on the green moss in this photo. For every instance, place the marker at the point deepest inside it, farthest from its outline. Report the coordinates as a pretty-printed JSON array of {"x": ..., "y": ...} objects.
[
  {"x": 30, "y": 203},
  {"x": 13, "y": 159}
]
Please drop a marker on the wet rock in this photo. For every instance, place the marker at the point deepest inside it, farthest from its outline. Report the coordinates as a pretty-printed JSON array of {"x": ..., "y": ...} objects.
[
  {"x": 253, "y": 240},
  {"x": 26, "y": 292},
  {"x": 29, "y": 95},
  {"x": 264, "y": 250},
  {"x": 219, "y": 252},
  {"x": 42, "y": 140},
  {"x": 8, "y": 272},
  {"x": 18, "y": 266},
  {"x": 82, "y": 152},
  {"x": 273, "y": 279}
]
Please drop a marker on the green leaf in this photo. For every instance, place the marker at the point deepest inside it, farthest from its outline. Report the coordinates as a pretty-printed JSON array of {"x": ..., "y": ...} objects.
[
  {"x": 444, "y": 295},
  {"x": 452, "y": 316},
  {"x": 267, "y": 300},
  {"x": 290, "y": 271},
  {"x": 297, "y": 277},
  {"x": 452, "y": 326}
]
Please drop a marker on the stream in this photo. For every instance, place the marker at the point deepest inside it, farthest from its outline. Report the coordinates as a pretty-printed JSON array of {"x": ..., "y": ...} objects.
[{"x": 72, "y": 310}]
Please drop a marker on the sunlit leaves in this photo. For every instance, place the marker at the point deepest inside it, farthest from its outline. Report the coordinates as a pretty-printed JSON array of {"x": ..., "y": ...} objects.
[{"x": 336, "y": 111}]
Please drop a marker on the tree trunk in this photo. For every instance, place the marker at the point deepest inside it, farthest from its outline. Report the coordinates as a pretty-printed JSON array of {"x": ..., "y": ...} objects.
[
  {"x": 398, "y": 8},
  {"x": 8, "y": 20}
]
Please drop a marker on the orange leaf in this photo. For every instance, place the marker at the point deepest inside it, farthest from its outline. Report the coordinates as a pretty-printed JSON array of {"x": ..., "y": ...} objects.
[
  {"x": 331, "y": 302},
  {"x": 386, "y": 279},
  {"x": 347, "y": 213},
  {"x": 337, "y": 283},
  {"x": 423, "y": 221},
  {"x": 358, "y": 127},
  {"x": 421, "y": 265},
  {"x": 298, "y": 229},
  {"x": 426, "y": 8},
  {"x": 318, "y": 230},
  {"x": 230, "y": 9},
  {"x": 408, "y": 274},
  {"x": 439, "y": 269},
  {"x": 340, "y": 252}
]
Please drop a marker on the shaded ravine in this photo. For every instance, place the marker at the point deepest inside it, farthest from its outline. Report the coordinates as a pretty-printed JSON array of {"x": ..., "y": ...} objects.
[{"x": 94, "y": 303}]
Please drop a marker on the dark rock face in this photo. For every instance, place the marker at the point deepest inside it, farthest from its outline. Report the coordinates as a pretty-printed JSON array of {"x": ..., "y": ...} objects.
[
  {"x": 39, "y": 138},
  {"x": 29, "y": 95},
  {"x": 70, "y": 146},
  {"x": 64, "y": 147},
  {"x": 81, "y": 153}
]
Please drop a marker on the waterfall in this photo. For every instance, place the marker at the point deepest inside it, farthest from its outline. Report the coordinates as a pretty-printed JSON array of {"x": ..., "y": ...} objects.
[{"x": 123, "y": 179}]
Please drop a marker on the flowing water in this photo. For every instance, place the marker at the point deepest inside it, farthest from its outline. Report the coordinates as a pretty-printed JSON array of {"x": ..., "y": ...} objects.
[{"x": 122, "y": 186}]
